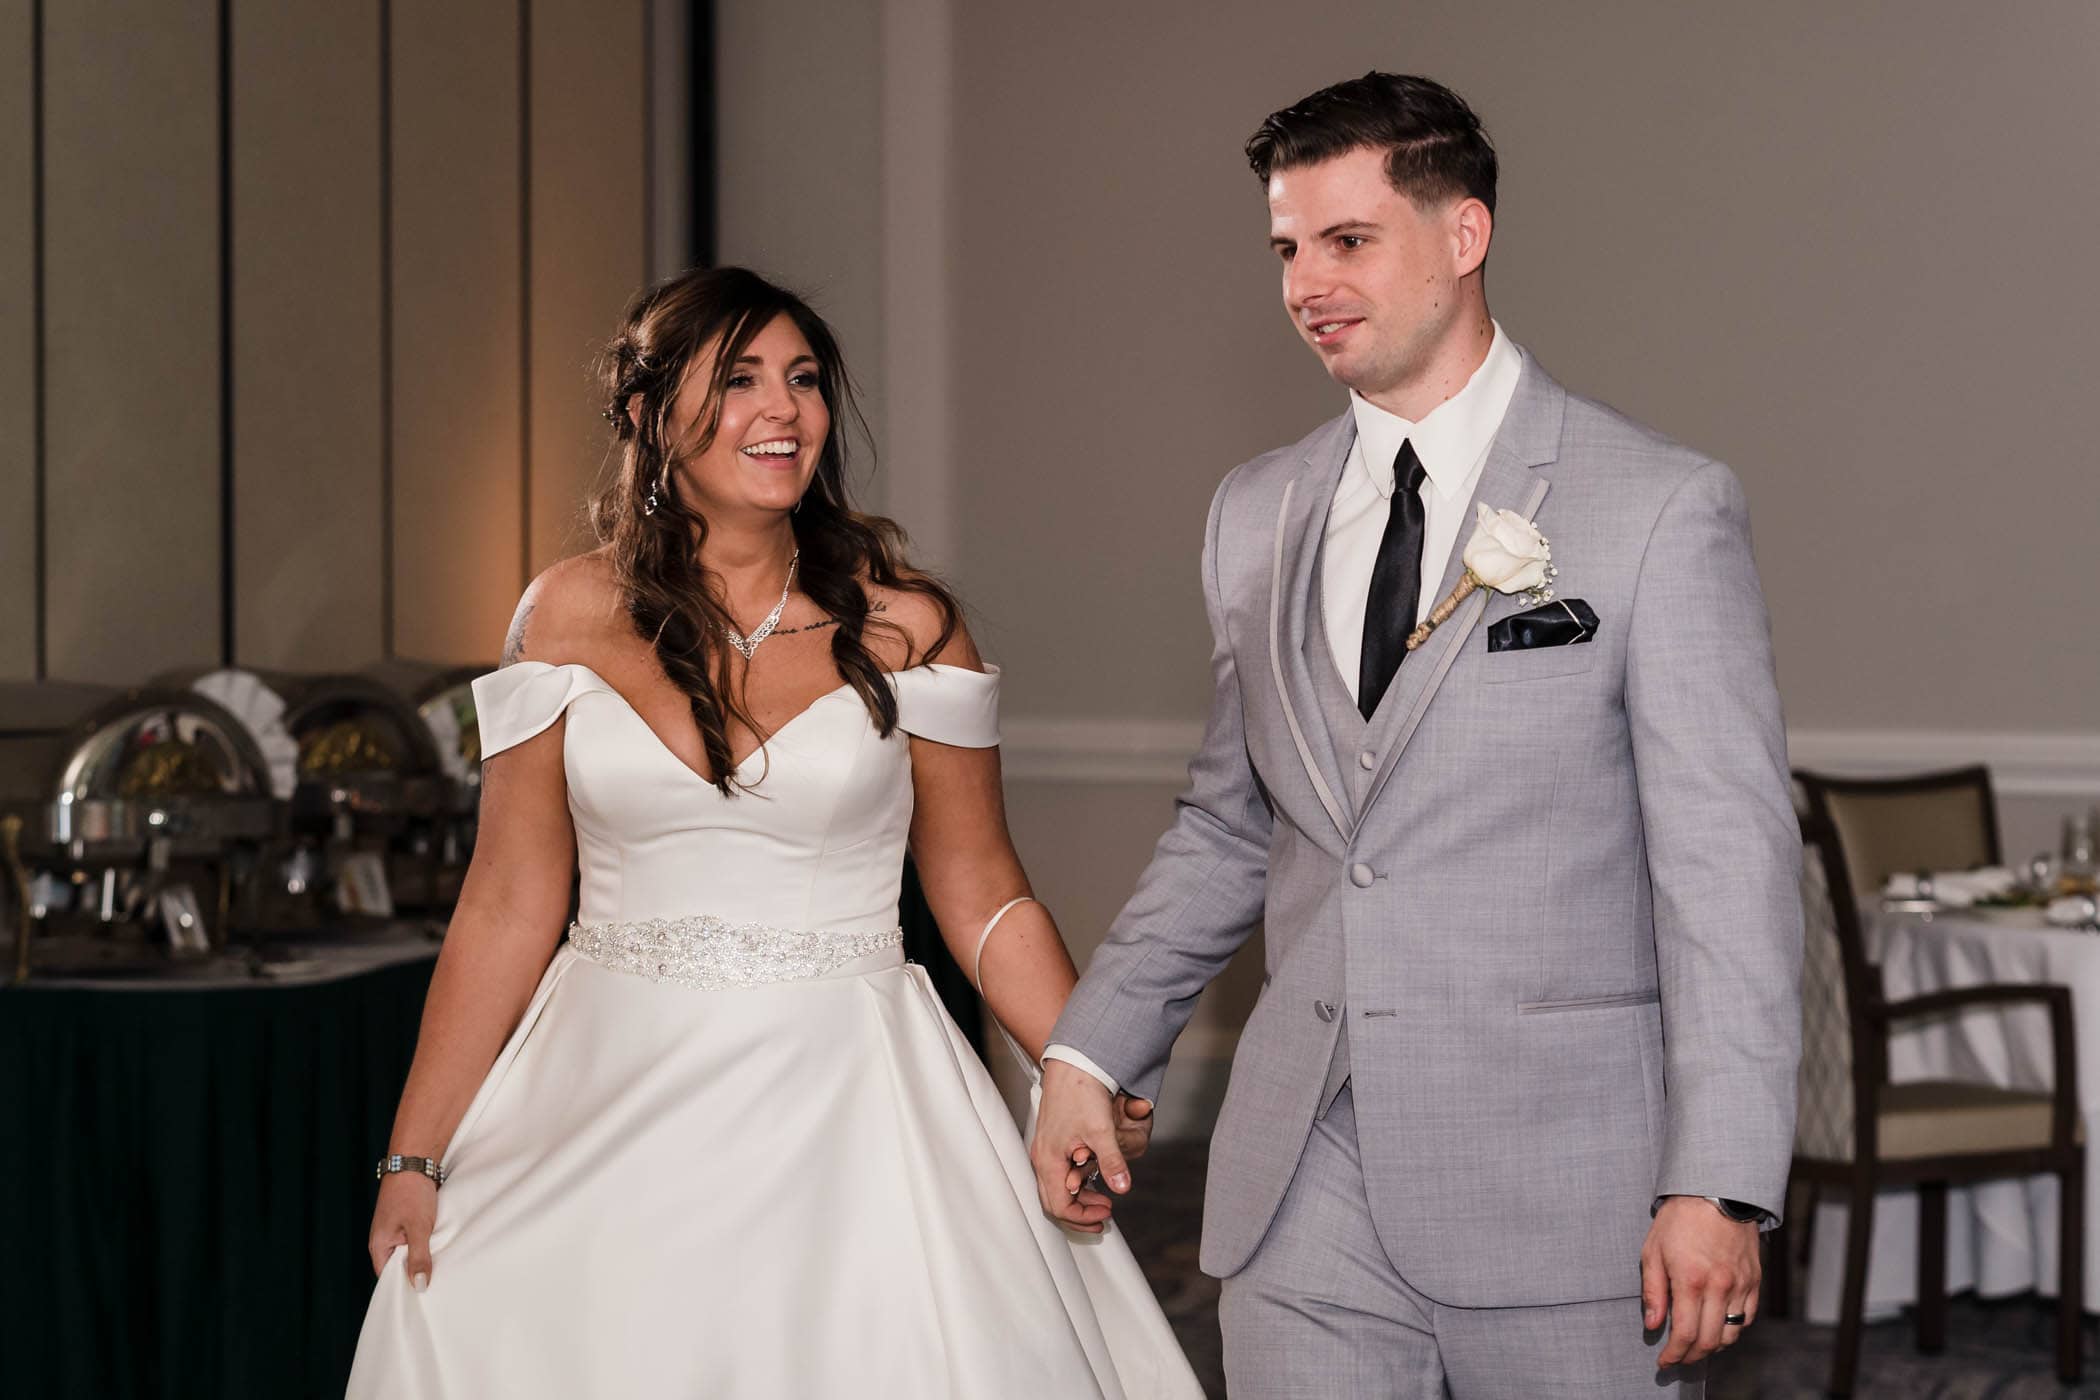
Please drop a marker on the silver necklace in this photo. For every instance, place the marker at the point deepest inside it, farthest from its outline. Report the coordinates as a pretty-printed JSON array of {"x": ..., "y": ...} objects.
[{"x": 748, "y": 645}]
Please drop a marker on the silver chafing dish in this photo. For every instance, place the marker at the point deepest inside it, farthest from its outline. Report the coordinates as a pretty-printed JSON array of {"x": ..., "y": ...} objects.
[
  {"x": 360, "y": 775},
  {"x": 443, "y": 697},
  {"x": 127, "y": 819}
]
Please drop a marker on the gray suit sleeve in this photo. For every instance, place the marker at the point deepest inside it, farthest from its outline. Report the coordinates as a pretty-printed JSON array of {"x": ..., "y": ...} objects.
[
  {"x": 1199, "y": 899},
  {"x": 1723, "y": 844}
]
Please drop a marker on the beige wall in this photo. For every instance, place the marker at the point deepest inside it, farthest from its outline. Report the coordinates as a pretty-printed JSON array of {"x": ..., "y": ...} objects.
[
  {"x": 798, "y": 193},
  {"x": 460, "y": 477},
  {"x": 589, "y": 246},
  {"x": 431, "y": 234},
  {"x": 307, "y": 484},
  {"x": 1840, "y": 246},
  {"x": 132, "y": 342}
]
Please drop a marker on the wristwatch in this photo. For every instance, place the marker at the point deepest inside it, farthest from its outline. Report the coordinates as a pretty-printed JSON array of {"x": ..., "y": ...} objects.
[
  {"x": 1741, "y": 1212},
  {"x": 427, "y": 1166}
]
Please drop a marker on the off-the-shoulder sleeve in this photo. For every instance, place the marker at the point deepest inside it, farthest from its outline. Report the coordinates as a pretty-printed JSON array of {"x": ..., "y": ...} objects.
[
  {"x": 522, "y": 699},
  {"x": 949, "y": 705}
]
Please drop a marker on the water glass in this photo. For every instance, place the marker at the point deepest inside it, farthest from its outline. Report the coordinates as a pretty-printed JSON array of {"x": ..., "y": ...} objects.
[
  {"x": 2078, "y": 844},
  {"x": 2044, "y": 871}
]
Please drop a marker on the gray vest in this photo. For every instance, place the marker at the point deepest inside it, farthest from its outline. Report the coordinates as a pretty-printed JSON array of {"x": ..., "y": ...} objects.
[{"x": 1352, "y": 735}]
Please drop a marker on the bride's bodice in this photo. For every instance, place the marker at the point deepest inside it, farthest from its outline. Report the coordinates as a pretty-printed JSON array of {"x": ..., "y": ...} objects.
[{"x": 816, "y": 841}]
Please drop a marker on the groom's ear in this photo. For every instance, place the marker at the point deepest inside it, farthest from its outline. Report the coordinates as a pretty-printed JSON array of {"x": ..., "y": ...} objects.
[{"x": 1472, "y": 228}]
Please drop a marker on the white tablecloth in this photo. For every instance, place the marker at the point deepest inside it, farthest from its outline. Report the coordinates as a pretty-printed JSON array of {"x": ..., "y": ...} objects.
[{"x": 2001, "y": 1236}]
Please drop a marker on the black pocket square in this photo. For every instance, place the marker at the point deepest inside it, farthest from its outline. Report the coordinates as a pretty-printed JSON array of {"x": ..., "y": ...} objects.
[{"x": 1560, "y": 623}]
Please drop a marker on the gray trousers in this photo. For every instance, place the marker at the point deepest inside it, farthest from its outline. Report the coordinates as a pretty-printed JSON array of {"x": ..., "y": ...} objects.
[{"x": 1320, "y": 1313}]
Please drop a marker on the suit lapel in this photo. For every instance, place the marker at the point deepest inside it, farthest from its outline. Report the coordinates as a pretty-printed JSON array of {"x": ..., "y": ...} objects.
[
  {"x": 1528, "y": 439},
  {"x": 1301, "y": 521}
]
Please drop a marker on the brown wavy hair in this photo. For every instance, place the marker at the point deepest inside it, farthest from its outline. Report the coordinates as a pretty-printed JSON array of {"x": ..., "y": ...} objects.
[{"x": 698, "y": 323}]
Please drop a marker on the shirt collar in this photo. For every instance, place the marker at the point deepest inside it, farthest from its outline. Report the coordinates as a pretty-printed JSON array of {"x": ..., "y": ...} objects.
[{"x": 1452, "y": 438}]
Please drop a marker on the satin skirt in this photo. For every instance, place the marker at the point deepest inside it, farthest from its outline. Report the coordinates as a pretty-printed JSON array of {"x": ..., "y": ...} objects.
[{"x": 803, "y": 1189}]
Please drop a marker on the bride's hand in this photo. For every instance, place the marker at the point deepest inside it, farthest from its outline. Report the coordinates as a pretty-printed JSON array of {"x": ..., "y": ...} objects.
[
  {"x": 406, "y": 1211},
  {"x": 1133, "y": 1125},
  {"x": 1075, "y": 1123}
]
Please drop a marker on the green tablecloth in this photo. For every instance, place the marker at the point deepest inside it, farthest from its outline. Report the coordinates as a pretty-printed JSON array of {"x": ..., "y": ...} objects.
[{"x": 185, "y": 1175}]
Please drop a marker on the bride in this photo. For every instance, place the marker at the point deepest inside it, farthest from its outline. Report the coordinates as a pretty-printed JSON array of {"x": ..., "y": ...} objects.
[{"x": 722, "y": 1140}]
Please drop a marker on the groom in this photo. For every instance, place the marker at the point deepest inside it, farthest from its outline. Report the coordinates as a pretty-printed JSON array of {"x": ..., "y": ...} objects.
[{"x": 1518, "y": 1093}]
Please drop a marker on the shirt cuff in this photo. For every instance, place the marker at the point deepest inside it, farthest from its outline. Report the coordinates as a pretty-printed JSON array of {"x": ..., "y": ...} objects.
[
  {"x": 1765, "y": 1219},
  {"x": 1073, "y": 1057}
]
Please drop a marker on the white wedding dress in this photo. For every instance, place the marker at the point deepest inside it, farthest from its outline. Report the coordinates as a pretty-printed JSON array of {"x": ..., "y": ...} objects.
[{"x": 735, "y": 1147}]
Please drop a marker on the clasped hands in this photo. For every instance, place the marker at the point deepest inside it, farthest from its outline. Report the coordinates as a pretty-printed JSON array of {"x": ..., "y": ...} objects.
[{"x": 1081, "y": 1127}]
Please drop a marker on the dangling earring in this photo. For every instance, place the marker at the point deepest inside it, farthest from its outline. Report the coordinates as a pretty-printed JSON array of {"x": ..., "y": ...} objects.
[
  {"x": 649, "y": 502},
  {"x": 796, "y": 509}
]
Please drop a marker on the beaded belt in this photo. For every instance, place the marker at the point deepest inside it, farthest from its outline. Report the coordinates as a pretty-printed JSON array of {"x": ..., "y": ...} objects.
[{"x": 708, "y": 953}]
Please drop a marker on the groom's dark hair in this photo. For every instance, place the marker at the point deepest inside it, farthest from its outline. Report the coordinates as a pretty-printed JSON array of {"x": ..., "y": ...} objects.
[{"x": 1435, "y": 148}]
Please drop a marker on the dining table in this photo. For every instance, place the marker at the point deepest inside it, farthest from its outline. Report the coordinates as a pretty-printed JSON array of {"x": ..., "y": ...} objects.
[
  {"x": 186, "y": 1163},
  {"x": 2001, "y": 1235}
]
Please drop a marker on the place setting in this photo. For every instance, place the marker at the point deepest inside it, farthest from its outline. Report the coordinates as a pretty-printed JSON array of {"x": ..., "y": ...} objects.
[{"x": 2056, "y": 889}]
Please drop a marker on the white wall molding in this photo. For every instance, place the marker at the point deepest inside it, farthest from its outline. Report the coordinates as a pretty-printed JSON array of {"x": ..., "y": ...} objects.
[
  {"x": 1129, "y": 750},
  {"x": 2021, "y": 764},
  {"x": 1098, "y": 750}
]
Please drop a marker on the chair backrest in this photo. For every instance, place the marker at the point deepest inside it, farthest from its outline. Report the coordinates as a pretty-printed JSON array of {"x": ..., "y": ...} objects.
[
  {"x": 1842, "y": 1052},
  {"x": 1887, "y": 826}
]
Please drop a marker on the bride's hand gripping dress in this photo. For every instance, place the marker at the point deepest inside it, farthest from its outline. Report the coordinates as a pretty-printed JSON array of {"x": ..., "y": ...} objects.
[{"x": 734, "y": 1146}]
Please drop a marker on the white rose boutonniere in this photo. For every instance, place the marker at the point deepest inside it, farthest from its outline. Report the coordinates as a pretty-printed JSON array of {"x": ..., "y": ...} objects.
[{"x": 1506, "y": 553}]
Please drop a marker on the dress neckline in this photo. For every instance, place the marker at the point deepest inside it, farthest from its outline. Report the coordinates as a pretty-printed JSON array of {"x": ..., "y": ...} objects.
[{"x": 738, "y": 766}]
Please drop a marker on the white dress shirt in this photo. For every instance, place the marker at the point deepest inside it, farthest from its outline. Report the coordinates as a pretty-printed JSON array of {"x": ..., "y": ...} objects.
[{"x": 1452, "y": 441}]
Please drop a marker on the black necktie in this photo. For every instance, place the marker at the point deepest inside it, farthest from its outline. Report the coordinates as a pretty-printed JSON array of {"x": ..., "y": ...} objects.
[{"x": 1396, "y": 584}]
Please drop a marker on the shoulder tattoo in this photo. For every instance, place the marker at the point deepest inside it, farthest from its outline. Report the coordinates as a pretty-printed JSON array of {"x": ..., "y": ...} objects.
[{"x": 514, "y": 644}]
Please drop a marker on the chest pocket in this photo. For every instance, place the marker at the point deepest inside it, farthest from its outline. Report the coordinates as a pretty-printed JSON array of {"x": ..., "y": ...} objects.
[{"x": 1536, "y": 663}]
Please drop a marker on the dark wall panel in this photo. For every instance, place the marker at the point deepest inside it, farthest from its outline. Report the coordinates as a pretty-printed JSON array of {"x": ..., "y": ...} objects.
[{"x": 18, "y": 342}]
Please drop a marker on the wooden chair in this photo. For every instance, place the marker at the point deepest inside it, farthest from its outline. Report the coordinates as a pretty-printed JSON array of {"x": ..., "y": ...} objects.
[
  {"x": 1859, "y": 1134},
  {"x": 1890, "y": 826}
]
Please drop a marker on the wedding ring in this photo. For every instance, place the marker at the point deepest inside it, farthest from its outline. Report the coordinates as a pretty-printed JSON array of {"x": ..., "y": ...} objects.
[
  {"x": 1092, "y": 1182},
  {"x": 1735, "y": 1319}
]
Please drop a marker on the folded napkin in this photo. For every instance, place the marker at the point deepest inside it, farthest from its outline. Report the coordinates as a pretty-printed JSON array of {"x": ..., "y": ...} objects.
[
  {"x": 1956, "y": 889},
  {"x": 261, "y": 709},
  {"x": 2074, "y": 911}
]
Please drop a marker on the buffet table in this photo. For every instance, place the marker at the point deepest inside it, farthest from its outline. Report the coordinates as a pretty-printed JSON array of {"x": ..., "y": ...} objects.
[
  {"x": 2001, "y": 1236},
  {"x": 185, "y": 1170}
]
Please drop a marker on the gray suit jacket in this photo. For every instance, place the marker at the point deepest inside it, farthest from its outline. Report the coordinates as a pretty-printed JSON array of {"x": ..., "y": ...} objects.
[{"x": 1563, "y": 924}]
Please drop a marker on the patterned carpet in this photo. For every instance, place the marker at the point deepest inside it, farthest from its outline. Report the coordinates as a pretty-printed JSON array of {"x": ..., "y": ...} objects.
[{"x": 1995, "y": 1351}]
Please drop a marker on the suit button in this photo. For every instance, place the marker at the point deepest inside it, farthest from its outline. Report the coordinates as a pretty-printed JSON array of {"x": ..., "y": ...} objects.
[
  {"x": 1360, "y": 876},
  {"x": 1324, "y": 1010},
  {"x": 1367, "y": 760}
]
